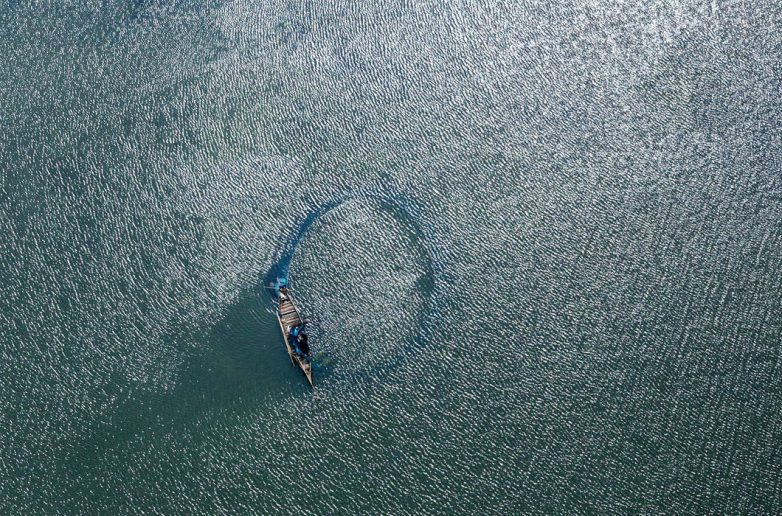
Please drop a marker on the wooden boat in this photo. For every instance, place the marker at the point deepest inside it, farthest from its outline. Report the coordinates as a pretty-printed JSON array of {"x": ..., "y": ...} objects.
[{"x": 292, "y": 328}]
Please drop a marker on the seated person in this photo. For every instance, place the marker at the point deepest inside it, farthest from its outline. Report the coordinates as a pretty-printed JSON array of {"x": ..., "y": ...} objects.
[{"x": 303, "y": 345}]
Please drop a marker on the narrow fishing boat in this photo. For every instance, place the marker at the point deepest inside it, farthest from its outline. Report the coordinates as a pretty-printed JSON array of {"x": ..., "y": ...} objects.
[{"x": 292, "y": 327}]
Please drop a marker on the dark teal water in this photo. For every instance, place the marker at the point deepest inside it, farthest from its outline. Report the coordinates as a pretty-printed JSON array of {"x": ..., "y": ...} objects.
[{"x": 548, "y": 278}]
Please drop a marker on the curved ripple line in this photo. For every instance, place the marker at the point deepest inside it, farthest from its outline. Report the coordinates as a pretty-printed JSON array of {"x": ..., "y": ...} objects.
[{"x": 410, "y": 215}]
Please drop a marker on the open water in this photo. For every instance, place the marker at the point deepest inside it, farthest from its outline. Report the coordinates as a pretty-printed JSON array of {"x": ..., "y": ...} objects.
[{"x": 540, "y": 243}]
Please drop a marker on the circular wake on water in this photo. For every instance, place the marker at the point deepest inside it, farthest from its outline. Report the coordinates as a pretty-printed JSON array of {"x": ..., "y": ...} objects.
[{"x": 373, "y": 334}]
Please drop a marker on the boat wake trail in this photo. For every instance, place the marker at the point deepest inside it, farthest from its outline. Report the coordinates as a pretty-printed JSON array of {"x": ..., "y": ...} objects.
[{"x": 408, "y": 214}]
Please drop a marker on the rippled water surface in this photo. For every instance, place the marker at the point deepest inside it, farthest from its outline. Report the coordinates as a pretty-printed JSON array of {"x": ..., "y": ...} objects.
[{"x": 540, "y": 244}]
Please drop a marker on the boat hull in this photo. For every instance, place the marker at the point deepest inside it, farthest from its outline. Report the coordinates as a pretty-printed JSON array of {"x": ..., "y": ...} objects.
[{"x": 288, "y": 317}]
